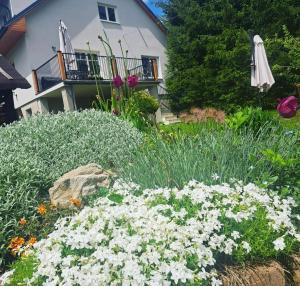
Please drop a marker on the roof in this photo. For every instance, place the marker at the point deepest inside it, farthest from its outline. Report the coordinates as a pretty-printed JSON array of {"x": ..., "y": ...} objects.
[
  {"x": 35, "y": 4},
  {"x": 9, "y": 77}
]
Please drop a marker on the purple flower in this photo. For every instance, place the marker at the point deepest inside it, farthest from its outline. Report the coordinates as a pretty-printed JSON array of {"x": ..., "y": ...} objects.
[
  {"x": 288, "y": 106},
  {"x": 133, "y": 81},
  {"x": 117, "y": 81}
]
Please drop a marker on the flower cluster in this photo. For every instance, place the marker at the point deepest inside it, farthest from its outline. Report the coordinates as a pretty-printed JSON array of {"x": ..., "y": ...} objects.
[
  {"x": 18, "y": 245},
  {"x": 158, "y": 237}
]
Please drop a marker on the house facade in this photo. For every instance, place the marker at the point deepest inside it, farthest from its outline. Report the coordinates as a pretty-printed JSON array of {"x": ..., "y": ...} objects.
[{"x": 63, "y": 82}]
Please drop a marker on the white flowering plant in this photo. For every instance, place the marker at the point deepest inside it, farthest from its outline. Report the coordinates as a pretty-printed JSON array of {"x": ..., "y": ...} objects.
[{"x": 165, "y": 236}]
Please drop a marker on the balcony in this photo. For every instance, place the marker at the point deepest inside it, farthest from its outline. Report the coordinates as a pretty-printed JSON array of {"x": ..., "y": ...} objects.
[{"x": 86, "y": 68}]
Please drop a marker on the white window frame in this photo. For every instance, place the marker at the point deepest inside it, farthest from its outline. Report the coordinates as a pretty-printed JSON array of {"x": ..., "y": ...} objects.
[{"x": 106, "y": 6}]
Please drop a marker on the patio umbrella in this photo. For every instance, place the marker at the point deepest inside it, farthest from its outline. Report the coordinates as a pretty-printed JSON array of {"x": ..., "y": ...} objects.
[
  {"x": 261, "y": 75},
  {"x": 65, "y": 46}
]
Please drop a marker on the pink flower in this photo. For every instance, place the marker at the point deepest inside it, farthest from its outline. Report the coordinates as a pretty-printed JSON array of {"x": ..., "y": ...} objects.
[
  {"x": 117, "y": 81},
  {"x": 288, "y": 106},
  {"x": 133, "y": 81}
]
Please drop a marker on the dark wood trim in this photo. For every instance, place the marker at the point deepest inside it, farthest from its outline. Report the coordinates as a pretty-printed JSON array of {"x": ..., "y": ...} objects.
[
  {"x": 114, "y": 67},
  {"x": 14, "y": 32},
  {"x": 35, "y": 82},
  {"x": 61, "y": 64}
]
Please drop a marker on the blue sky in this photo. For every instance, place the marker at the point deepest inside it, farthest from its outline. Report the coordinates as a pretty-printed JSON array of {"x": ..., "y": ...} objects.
[{"x": 156, "y": 10}]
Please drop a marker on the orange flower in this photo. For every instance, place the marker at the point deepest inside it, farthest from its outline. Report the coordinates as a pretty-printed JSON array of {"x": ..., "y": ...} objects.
[
  {"x": 16, "y": 243},
  {"x": 32, "y": 241},
  {"x": 42, "y": 210},
  {"x": 75, "y": 202},
  {"x": 22, "y": 221}
]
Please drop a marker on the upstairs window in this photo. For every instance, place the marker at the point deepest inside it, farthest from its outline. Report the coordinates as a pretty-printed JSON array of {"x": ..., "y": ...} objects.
[{"x": 107, "y": 13}]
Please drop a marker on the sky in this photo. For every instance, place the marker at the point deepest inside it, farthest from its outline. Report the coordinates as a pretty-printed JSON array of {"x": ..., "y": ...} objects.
[{"x": 156, "y": 10}]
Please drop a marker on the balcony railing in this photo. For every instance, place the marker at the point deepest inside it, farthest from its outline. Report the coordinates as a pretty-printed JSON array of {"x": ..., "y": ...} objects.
[{"x": 88, "y": 67}]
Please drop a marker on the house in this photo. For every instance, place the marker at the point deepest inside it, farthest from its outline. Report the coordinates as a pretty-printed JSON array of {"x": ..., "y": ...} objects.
[
  {"x": 10, "y": 79},
  {"x": 65, "y": 82}
]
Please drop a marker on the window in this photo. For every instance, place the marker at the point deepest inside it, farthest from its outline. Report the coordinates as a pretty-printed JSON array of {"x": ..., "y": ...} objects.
[
  {"x": 107, "y": 13},
  {"x": 148, "y": 68},
  {"x": 88, "y": 65}
]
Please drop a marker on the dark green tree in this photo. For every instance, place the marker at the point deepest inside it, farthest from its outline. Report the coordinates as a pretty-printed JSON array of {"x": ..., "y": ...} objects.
[{"x": 209, "y": 50}]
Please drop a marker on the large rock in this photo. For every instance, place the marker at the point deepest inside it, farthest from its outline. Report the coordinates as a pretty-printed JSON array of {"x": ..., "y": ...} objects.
[
  {"x": 262, "y": 275},
  {"x": 75, "y": 185},
  {"x": 296, "y": 269}
]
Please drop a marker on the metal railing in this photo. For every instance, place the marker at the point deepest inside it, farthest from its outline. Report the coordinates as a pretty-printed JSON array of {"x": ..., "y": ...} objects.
[
  {"x": 48, "y": 74},
  {"x": 84, "y": 67}
]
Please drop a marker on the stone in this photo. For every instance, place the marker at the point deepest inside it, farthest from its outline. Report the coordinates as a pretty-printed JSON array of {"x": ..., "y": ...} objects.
[
  {"x": 69, "y": 190},
  {"x": 262, "y": 275},
  {"x": 296, "y": 269}
]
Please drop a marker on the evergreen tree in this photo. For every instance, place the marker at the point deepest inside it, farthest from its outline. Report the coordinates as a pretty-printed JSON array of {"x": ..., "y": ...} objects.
[{"x": 209, "y": 50}]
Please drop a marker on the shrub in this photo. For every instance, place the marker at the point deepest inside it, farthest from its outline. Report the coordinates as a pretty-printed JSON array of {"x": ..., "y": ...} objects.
[
  {"x": 200, "y": 115},
  {"x": 145, "y": 103},
  {"x": 36, "y": 152},
  {"x": 254, "y": 118},
  {"x": 166, "y": 236}
]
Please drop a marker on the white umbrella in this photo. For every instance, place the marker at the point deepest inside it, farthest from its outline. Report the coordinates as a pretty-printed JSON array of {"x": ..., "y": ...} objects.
[
  {"x": 261, "y": 75},
  {"x": 65, "y": 47}
]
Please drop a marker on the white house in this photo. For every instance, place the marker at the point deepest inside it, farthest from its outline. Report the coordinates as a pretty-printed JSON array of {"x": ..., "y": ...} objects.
[{"x": 66, "y": 82}]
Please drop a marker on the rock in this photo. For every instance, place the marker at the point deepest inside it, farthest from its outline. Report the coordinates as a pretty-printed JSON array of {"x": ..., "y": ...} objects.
[
  {"x": 296, "y": 269},
  {"x": 262, "y": 275},
  {"x": 73, "y": 186}
]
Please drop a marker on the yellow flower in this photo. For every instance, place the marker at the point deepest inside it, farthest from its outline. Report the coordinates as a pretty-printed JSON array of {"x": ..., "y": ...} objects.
[
  {"x": 42, "y": 210},
  {"x": 32, "y": 241},
  {"x": 22, "y": 221},
  {"x": 75, "y": 202}
]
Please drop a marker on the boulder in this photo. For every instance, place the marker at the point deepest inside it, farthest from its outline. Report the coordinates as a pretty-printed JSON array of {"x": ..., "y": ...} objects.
[
  {"x": 69, "y": 190},
  {"x": 262, "y": 275},
  {"x": 296, "y": 269}
]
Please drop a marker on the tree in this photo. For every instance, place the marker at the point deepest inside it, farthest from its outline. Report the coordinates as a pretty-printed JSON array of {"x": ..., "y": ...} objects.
[{"x": 209, "y": 50}]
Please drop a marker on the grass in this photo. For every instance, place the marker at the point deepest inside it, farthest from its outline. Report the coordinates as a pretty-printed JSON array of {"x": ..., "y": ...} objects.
[
  {"x": 172, "y": 160},
  {"x": 23, "y": 268},
  {"x": 287, "y": 123}
]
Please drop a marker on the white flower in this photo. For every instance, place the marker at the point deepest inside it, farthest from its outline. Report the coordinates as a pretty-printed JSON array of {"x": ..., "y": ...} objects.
[
  {"x": 235, "y": 235},
  {"x": 215, "y": 176},
  {"x": 246, "y": 246},
  {"x": 216, "y": 282},
  {"x": 279, "y": 244},
  {"x": 139, "y": 242}
]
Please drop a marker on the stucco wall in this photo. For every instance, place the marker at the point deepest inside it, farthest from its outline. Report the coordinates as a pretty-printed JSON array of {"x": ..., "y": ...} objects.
[
  {"x": 18, "y": 5},
  {"x": 138, "y": 33}
]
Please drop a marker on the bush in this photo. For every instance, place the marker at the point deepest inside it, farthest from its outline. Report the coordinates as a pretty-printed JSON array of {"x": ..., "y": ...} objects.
[
  {"x": 209, "y": 51},
  {"x": 35, "y": 152},
  {"x": 253, "y": 118},
  {"x": 144, "y": 102},
  {"x": 173, "y": 160},
  {"x": 165, "y": 236}
]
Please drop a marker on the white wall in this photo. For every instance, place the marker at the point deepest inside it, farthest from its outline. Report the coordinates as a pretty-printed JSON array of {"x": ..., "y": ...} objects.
[
  {"x": 138, "y": 33},
  {"x": 18, "y": 5}
]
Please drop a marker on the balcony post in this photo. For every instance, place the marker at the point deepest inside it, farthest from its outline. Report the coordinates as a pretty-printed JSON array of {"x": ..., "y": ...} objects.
[
  {"x": 114, "y": 67},
  {"x": 61, "y": 64},
  {"x": 154, "y": 69},
  {"x": 35, "y": 82}
]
